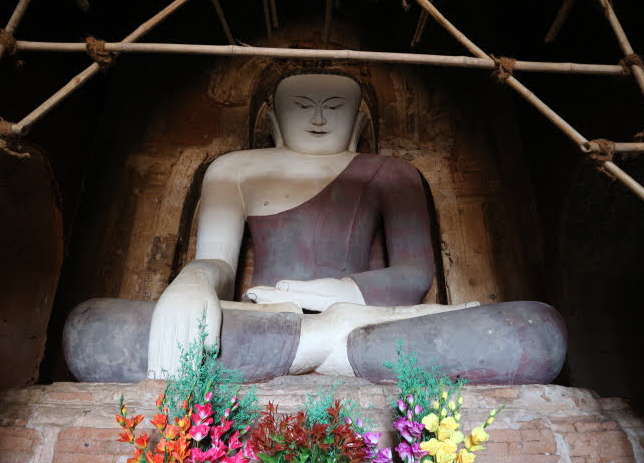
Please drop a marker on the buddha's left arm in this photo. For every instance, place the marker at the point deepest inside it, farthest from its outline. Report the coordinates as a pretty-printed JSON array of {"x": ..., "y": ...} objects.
[{"x": 407, "y": 231}]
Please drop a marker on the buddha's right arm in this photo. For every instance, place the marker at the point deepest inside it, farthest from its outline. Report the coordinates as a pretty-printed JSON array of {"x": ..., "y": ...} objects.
[{"x": 198, "y": 288}]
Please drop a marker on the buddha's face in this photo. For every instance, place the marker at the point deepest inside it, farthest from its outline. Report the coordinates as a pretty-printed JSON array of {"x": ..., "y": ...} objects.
[{"x": 316, "y": 112}]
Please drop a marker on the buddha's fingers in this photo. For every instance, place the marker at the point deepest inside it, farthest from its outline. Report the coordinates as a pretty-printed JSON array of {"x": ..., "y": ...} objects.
[{"x": 278, "y": 307}]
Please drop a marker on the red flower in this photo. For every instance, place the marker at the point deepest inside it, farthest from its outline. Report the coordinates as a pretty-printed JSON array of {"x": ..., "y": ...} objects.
[
  {"x": 160, "y": 401},
  {"x": 120, "y": 419},
  {"x": 137, "y": 456}
]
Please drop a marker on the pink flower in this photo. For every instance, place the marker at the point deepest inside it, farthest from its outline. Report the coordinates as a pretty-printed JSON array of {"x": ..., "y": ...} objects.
[
  {"x": 208, "y": 397},
  {"x": 203, "y": 413},
  {"x": 199, "y": 432},
  {"x": 233, "y": 441},
  {"x": 217, "y": 431}
]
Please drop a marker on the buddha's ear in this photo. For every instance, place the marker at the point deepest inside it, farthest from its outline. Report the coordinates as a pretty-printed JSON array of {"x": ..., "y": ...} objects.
[
  {"x": 276, "y": 133},
  {"x": 361, "y": 120}
]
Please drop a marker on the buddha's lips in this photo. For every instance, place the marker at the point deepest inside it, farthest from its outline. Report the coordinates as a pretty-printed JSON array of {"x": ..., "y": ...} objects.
[{"x": 317, "y": 133}]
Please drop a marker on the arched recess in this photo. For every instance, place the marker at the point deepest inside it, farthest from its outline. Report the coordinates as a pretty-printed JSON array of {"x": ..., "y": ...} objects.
[{"x": 30, "y": 261}]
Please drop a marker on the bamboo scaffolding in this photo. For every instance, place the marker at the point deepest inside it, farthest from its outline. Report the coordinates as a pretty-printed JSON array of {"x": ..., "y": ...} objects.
[
  {"x": 267, "y": 20},
  {"x": 14, "y": 20},
  {"x": 593, "y": 147},
  {"x": 223, "y": 22},
  {"x": 562, "y": 15},
  {"x": 557, "y": 120},
  {"x": 326, "y": 30},
  {"x": 624, "y": 44},
  {"x": 349, "y": 55},
  {"x": 21, "y": 127}
]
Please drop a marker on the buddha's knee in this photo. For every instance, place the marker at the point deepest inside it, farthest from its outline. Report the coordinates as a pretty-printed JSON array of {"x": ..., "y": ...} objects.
[{"x": 506, "y": 343}]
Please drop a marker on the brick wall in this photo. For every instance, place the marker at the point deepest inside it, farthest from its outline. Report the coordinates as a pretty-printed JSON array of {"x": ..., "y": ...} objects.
[{"x": 74, "y": 423}]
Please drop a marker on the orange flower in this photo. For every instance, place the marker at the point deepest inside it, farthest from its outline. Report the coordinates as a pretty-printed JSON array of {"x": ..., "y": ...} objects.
[
  {"x": 181, "y": 451},
  {"x": 137, "y": 456},
  {"x": 133, "y": 422},
  {"x": 126, "y": 436},
  {"x": 120, "y": 420},
  {"x": 154, "y": 458},
  {"x": 183, "y": 423},
  {"x": 142, "y": 441},
  {"x": 164, "y": 446},
  {"x": 160, "y": 421},
  {"x": 160, "y": 401},
  {"x": 171, "y": 431}
]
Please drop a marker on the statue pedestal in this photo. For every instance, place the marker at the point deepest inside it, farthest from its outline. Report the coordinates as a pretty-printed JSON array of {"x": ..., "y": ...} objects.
[{"x": 74, "y": 422}]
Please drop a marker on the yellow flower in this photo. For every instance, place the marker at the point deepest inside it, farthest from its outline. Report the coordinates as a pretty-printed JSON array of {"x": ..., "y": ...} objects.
[
  {"x": 444, "y": 395},
  {"x": 451, "y": 405},
  {"x": 436, "y": 405},
  {"x": 431, "y": 446},
  {"x": 443, "y": 412},
  {"x": 446, "y": 427},
  {"x": 493, "y": 412},
  {"x": 457, "y": 416},
  {"x": 430, "y": 422},
  {"x": 456, "y": 437},
  {"x": 465, "y": 457},
  {"x": 460, "y": 400},
  {"x": 479, "y": 436},
  {"x": 490, "y": 420},
  {"x": 448, "y": 447},
  {"x": 444, "y": 457}
]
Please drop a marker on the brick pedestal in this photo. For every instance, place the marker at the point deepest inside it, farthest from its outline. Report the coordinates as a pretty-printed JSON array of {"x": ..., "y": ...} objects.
[{"x": 74, "y": 422}]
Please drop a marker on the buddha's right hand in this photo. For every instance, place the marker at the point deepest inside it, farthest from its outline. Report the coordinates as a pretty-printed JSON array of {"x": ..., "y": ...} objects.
[{"x": 175, "y": 321}]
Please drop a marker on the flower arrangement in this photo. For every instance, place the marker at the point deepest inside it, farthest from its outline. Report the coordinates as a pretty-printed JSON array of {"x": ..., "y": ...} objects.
[
  {"x": 428, "y": 419},
  {"x": 291, "y": 438},
  {"x": 207, "y": 430},
  {"x": 194, "y": 437}
]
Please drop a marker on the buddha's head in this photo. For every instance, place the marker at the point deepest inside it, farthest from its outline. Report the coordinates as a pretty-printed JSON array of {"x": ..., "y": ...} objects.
[{"x": 316, "y": 113}]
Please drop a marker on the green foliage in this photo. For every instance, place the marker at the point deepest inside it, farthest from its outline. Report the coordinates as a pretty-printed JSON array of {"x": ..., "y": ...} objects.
[
  {"x": 425, "y": 386},
  {"x": 200, "y": 373},
  {"x": 316, "y": 408}
]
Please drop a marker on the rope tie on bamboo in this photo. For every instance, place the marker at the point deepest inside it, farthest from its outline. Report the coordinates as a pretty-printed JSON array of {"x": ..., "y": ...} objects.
[
  {"x": 639, "y": 137},
  {"x": 503, "y": 67},
  {"x": 5, "y": 128},
  {"x": 605, "y": 153},
  {"x": 628, "y": 61},
  {"x": 8, "y": 42},
  {"x": 96, "y": 51}
]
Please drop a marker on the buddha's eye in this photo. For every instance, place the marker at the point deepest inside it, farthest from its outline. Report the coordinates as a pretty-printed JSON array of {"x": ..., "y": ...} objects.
[
  {"x": 303, "y": 105},
  {"x": 334, "y": 106}
]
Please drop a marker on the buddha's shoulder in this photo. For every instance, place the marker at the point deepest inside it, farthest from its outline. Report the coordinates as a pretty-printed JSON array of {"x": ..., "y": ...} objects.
[{"x": 242, "y": 160}]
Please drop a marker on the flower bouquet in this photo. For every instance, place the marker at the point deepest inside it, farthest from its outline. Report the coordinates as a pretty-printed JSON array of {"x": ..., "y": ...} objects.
[{"x": 293, "y": 438}]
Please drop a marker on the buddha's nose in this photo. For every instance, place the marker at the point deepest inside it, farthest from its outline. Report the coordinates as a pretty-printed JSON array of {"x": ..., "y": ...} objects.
[{"x": 318, "y": 118}]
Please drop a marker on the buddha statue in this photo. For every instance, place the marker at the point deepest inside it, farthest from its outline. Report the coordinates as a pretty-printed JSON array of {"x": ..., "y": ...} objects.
[{"x": 313, "y": 206}]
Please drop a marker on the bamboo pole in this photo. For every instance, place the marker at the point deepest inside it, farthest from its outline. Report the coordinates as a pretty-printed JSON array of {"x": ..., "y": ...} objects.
[
  {"x": 350, "y": 55},
  {"x": 420, "y": 27},
  {"x": 532, "y": 98},
  {"x": 276, "y": 22},
  {"x": 267, "y": 20},
  {"x": 562, "y": 15},
  {"x": 624, "y": 44},
  {"x": 223, "y": 22},
  {"x": 326, "y": 30},
  {"x": 14, "y": 20},
  {"x": 593, "y": 147},
  {"x": 21, "y": 127}
]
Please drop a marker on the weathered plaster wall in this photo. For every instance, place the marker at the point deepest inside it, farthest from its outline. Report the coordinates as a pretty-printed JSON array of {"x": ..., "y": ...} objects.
[{"x": 30, "y": 259}]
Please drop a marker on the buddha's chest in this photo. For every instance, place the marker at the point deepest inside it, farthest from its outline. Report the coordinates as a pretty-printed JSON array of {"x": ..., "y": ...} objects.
[{"x": 284, "y": 184}]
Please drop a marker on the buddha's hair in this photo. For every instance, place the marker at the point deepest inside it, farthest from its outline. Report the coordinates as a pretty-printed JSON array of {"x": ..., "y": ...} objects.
[{"x": 313, "y": 71}]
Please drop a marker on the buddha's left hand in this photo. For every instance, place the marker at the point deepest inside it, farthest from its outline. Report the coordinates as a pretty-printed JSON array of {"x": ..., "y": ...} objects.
[{"x": 313, "y": 294}]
